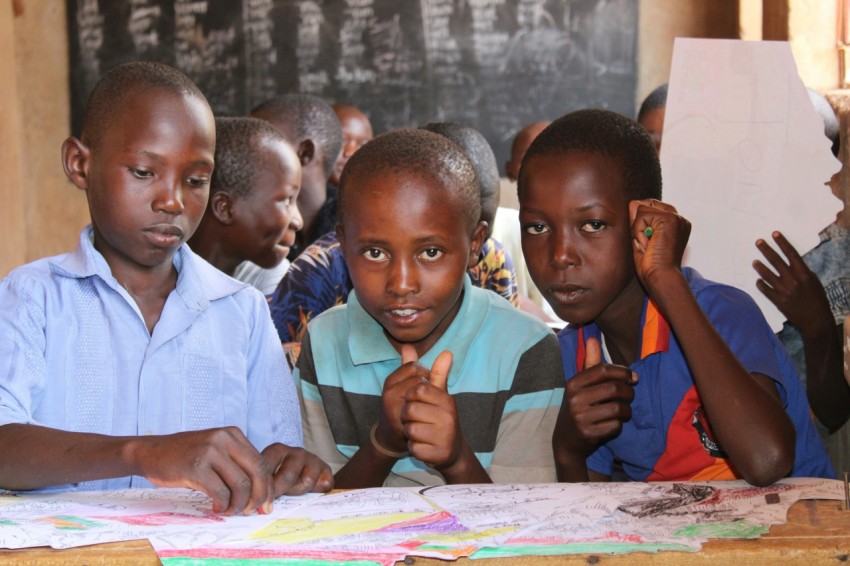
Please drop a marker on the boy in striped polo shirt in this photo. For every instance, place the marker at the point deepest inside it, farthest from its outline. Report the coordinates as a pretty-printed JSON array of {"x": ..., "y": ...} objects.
[{"x": 422, "y": 379}]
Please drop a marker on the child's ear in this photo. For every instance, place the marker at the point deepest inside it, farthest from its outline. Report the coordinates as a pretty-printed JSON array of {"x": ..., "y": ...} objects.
[
  {"x": 478, "y": 237},
  {"x": 306, "y": 152},
  {"x": 75, "y": 161},
  {"x": 340, "y": 235},
  {"x": 221, "y": 206}
]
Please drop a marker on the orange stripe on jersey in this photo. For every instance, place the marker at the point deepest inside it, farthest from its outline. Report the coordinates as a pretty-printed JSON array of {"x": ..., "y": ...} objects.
[
  {"x": 685, "y": 457},
  {"x": 656, "y": 332},
  {"x": 719, "y": 470}
]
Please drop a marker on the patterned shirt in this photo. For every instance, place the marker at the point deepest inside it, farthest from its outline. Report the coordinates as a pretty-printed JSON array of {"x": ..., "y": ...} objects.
[
  {"x": 830, "y": 261},
  {"x": 318, "y": 280}
]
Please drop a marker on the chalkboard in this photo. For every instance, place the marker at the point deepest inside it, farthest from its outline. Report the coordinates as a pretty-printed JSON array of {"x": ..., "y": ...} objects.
[{"x": 494, "y": 64}]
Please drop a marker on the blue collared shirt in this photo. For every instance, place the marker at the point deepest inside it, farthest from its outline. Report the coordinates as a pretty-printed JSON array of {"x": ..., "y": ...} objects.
[{"x": 76, "y": 355}]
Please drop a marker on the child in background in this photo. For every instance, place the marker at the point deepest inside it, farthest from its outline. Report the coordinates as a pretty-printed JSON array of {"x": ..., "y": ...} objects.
[
  {"x": 522, "y": 140},
  {"x": 311, "y": 126},
  {"x": 669, "y": 375},
  {"x": 813, "y": 292},
  {"x": 356, "y": 131},
  {"x": 131, "y": 361},
  {"x": 410, "y": 229},
  {"x": 651, "y": 115},
  {"x": 252, "y": 214},
  {"x": 506, "y": 229}
]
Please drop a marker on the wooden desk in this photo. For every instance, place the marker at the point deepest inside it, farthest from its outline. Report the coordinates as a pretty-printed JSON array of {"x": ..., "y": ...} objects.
[{"x": 817, "y": 532}]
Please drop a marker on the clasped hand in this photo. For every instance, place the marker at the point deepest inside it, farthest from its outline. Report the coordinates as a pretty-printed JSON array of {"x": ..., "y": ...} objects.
[
  {"x": 418, "y": 414},
  {"x": 660, "y": 248}
]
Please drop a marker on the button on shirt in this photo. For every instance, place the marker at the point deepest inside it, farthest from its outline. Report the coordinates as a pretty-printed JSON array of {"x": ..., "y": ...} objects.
[{"x": 76, "y": 355}]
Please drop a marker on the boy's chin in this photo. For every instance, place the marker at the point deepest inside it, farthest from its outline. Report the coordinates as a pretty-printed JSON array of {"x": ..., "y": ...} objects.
[{"x": 272, "y": 258}]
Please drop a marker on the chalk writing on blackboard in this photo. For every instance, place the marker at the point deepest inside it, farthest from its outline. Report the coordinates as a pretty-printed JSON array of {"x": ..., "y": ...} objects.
[{"x": 494, "y": 64}]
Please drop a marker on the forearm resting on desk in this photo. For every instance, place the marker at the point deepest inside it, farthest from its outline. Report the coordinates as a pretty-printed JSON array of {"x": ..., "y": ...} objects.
[{"x": 37, "y": 457}]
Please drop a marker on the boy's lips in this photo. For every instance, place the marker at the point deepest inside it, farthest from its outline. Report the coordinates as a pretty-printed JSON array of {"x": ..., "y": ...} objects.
[
  {"x": 165, "y": 234},
  {"x": 567, "y": 294},
  {"x": 403, "y": 315}
]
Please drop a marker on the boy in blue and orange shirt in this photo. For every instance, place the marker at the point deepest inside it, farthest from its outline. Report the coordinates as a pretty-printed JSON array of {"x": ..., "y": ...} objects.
[{"x": 670, "y": 376}]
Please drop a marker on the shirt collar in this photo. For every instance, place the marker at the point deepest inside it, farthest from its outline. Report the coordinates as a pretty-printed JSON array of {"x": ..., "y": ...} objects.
[
  {"x": 832, "y": 231},
  {"x": 654, "y": 334},
  {"x": 368, "y": 344},
  {"x": 198, "y": 282}
]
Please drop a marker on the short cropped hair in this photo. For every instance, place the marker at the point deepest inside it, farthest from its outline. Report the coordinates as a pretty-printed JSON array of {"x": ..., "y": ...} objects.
[
  {"x": 605, "y": 133},
  {"x": 420, "y": 153},
  {"x": 656, "y": 99},
  {"x": 107, "y": 97},
  {"x": 236, "y": 158},
  {"x": 480, "y": 154},
  {"x": 308, "y": 117}
]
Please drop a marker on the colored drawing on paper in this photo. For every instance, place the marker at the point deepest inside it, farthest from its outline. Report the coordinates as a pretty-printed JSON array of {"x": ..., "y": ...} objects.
[
  {"x": 69, "y": 522},
  {"x": 735, "y": 529},
  {"x": 296, "y": 531},
  {"x": 159, "y": 519}
]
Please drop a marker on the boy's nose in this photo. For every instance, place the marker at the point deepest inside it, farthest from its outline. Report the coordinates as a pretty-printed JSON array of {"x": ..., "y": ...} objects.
[
  {"x": 402, "y": 279},
  {"x": 169, "y": 199},
  {"x": 564, "y": 255},
  {"x": 296, "y": 222}
]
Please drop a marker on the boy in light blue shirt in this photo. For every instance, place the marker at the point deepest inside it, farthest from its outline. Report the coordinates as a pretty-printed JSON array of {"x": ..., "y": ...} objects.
[{"x": 131, "y": 361}]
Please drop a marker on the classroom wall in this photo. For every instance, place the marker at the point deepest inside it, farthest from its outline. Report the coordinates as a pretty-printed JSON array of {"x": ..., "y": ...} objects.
[
  {"x": 12, "y": 250},
  {"x": 51, "y": 210},
  {"x": 812, "y": 26},
  {"x": 660, "y": 21},
  {"x": 43, "y": 213}
]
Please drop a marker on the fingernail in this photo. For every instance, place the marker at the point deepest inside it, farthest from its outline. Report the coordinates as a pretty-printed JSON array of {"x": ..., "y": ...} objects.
[{"x": 267, "y": 507}]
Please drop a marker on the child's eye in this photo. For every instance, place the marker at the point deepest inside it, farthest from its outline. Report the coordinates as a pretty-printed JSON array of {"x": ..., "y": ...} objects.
[
  {"x": 593, "y": 226},
  {"x": 140, "y": 173},
  {"x": 536, "y": 228},
  {"x": 198, "y": 182},
  {"x": 374, "y": 254},
  {"x": 431, "y": 254}
]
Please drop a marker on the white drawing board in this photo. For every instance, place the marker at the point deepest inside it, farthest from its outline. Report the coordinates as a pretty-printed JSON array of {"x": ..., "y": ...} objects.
[{"x": 744, "y": 154}]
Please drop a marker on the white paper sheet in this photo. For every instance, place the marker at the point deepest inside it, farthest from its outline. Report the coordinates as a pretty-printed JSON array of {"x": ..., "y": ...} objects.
[
  {"x": 385, "y": 525},
  {"x": 743, "y": 154}
]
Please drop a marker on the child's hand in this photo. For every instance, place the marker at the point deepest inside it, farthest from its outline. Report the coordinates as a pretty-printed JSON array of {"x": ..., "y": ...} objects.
[
  {"x": 596, "y": 404},
  {"x": 796, "y": 290},
  {"x": 390, "y": 431},
  {"x": 297, "y": 471},
  {"x": 430, "y": 418},
  {"x": 220, "y": 462},
  {"x": 659, "y": 236}
]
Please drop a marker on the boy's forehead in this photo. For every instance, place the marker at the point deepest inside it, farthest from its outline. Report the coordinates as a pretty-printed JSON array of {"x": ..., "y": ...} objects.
[
  {"x": 139, "y": 108},
  {"x": 553, "y": 168},
  {"x": 390, "y": 187},
  {"x": 276, "y": 152}
]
